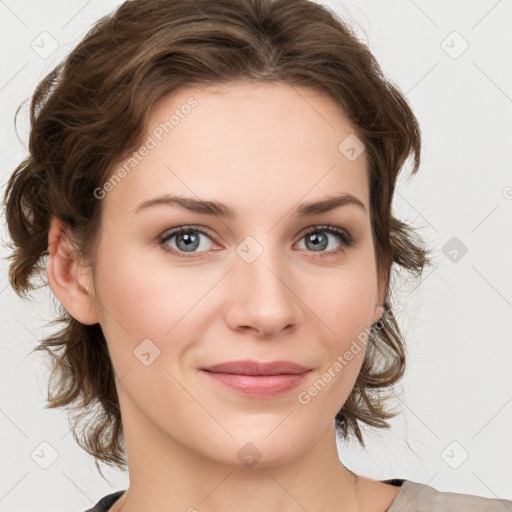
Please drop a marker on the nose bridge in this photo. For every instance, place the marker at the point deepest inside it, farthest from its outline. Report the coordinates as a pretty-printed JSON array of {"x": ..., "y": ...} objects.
[{"x": 262, "y": 288}]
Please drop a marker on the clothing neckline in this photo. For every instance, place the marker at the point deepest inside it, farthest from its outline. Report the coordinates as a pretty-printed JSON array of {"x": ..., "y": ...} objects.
[{"x": 106, "y": 502}]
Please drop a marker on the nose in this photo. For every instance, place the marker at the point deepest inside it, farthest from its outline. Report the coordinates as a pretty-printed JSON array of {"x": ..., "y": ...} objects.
[{"x": 262, "y": 297}]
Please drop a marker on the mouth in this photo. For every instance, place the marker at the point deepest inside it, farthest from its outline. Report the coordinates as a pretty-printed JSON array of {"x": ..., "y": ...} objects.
[{"x": 258, "y": 379}]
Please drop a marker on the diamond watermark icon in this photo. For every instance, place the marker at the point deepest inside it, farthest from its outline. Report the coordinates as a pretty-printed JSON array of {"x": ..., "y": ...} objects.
[
  {"x": 146, "y": 352},
  {"x": 351, "y": 147},
  {"x": 249, "y": 249},
  {"x": 454, "y": 45},
  {"x": 454, "y": 249},
  {"x": 455, "y": 455},
  {"x": 44, "y": 455},
  {"x": 249, "y": 455},
  {"x": 44, "y": 45}
]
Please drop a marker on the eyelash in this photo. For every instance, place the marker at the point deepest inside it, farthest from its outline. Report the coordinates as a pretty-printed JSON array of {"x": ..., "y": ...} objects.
[{"x": 346, "y": 238}]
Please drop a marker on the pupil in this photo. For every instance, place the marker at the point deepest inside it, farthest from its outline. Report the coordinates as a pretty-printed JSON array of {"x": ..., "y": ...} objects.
[
  {"x": 318, "y": 241},
  {"x": 190, "y": 243}
]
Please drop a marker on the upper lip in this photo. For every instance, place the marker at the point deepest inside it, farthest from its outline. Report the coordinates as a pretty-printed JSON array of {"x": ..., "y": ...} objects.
[{"x": 248, "y": 367}]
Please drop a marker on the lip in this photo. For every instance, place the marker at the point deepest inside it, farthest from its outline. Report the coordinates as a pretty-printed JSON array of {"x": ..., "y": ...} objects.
[
  {"x": 250, "y": 367},
  {"x": 258, "y": 379}
]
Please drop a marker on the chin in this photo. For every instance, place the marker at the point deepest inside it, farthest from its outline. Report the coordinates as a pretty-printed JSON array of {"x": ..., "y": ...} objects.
[{"x": 258, "y": 449}]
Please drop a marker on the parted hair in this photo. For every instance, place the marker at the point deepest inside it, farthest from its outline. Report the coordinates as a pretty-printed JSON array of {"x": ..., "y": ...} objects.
[{"x": 91, "y": 111}]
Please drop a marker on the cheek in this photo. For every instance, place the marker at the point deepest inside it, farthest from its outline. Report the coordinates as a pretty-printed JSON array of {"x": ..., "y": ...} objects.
[
  {"x": 343, "y": 301},
  {"x": 341, "y": 365},
  {"x": 345, "y": 305},
  {"x": 151, "y": 316},
  {"x": 144, "y": 298}
]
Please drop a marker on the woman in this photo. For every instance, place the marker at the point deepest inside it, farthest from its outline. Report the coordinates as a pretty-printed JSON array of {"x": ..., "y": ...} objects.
[{"x": 212, "y": 184}]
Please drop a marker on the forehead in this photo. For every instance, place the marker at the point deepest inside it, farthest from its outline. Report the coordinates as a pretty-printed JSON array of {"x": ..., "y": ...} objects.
[{"x": 242, "y": 142}]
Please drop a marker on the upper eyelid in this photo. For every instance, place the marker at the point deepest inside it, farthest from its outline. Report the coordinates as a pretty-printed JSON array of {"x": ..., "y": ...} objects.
[{"x": 174, "y": 231}]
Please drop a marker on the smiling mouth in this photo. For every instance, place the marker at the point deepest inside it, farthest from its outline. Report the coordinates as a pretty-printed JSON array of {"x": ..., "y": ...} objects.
[{"x": 257, "y": 379}]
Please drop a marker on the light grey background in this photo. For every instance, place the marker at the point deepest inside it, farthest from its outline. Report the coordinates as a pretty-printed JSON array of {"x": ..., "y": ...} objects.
[{"x": 456, "y": 397}]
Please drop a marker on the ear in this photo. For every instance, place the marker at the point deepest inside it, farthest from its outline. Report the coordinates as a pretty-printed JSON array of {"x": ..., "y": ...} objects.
[
  {"x": 379, "y": 298},
  {"x": 70, "y": 281}
]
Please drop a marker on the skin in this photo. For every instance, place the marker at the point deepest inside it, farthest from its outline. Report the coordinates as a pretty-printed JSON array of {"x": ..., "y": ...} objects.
[{"x": 261, "y": 149}]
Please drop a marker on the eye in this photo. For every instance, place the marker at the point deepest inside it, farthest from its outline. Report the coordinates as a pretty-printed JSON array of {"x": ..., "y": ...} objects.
[
  {"x": 317, "y": 239},
  {"x": 187, "y": 240}
]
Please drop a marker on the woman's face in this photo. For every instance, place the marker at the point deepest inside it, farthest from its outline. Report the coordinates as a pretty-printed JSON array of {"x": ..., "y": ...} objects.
[{"x": 252, "y": 285}]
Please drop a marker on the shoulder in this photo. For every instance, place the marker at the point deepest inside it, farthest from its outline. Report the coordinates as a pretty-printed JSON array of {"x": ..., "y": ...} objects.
[
  {"x": 417, "y": 497},
  {"x": 106, "y": 502}
]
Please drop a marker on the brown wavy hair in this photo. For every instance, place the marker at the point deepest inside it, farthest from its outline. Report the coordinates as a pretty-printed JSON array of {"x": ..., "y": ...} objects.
[{"x": 91, "y": 111}]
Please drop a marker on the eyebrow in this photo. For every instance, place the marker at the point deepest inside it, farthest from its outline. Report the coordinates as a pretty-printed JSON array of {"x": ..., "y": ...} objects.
[{"x": 219, "y": 209}]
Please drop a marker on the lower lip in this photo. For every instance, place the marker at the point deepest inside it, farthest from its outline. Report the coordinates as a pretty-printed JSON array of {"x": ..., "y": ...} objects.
[{"x": 260, "y": 386}]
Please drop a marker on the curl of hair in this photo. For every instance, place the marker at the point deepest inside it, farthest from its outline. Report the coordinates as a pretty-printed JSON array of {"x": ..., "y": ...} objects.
[{"x": 91, "y": 111}]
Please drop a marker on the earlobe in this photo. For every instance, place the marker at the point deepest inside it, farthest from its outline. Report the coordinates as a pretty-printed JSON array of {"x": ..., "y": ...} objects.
[{"x": 70, "y": 281}]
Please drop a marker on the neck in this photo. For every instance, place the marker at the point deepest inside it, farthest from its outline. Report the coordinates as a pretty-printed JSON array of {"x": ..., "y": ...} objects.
[{"x": 165, "y": 475}]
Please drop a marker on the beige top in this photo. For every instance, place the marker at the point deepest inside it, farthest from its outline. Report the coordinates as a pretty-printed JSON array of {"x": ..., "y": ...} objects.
[
  {"x": 412, "y": 497},
  {"x": 416, "y": 497}
]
